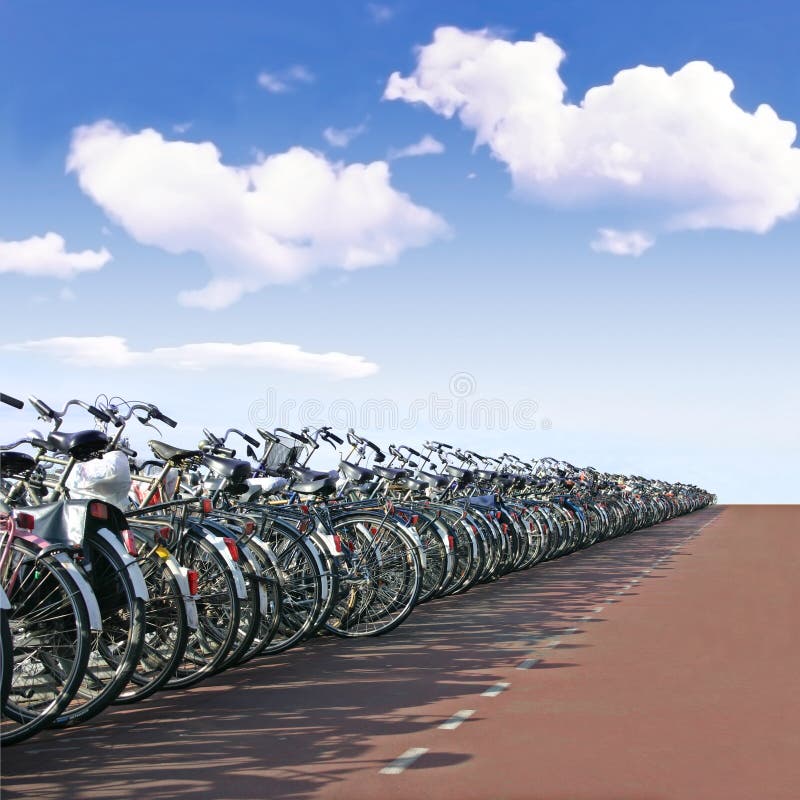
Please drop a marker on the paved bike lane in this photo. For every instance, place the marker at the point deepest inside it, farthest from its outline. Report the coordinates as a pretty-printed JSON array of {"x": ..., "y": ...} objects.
[
  {"x": 684, "y": 685},
  {"x": 669, "y": 683}
]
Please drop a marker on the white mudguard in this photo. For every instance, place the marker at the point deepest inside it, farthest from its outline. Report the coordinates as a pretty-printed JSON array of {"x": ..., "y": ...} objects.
[
  {"x": 95, "y": 618},
  {"x": 325, "y": 578},
  {"x": 238, "y": 578},
  {"x": 412, "y": 532},
  {"x": 181, "y": 575},
  {"x": 139, "y": 586}
]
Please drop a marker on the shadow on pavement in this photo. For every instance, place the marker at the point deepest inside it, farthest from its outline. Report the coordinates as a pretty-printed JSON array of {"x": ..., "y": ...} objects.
[{"x": 287, "y": 725}]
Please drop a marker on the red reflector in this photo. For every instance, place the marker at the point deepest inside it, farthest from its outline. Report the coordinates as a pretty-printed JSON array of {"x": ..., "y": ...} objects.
[
  {"x": 233, "y": 548},
  {"x": 504, "y": 526},
  {"x": 249, "y": 526},
  {"x": 98, "y": 510},
  {"x": 337, "y": 541},
  {"x": 207, "y": 507},
  {"x": 304, "y": 508},
  {"x": 130, "y": 543},
  {"x": 163, "y": 533},
  {"x": 415, "y": 519},
  {"x": 194, "y": 580},
  {"x": 497, "y": 515},
  {"x": 373, "y": 530},
  {"x": 451, "y": 541},
  {"x": 25, "y": 521}
]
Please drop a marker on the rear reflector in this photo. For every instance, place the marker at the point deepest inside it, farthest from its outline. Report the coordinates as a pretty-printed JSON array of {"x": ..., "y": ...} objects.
[
  {"x": 249, "y": 527},
  {"x": 451, "y": 541},
  {"x": 233, "y": 548},
  {"x": 162, "y": 534},
  {"x": 98, "y": 510},
  {"x": 337, "y": 541},
  {"x": 415, "y": 519},
  {"x": 130, "y": 543},
  {"x": 25, "y": 521},
  {"x": 207, "y": 506},
  {"x": 194, "y": 580}
]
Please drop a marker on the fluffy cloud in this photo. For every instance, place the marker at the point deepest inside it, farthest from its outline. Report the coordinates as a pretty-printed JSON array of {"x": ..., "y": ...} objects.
[
  {"x": 426, "y": 146},
  {"x": 621, "y": 243},
  {"x": 109, "y": 352},
  {"x": 47, "y": 256},
  {"x": 341, "y": 137},
  {"x": 286, "y": 80},
  {"x": 272, "y": 222},
  {"x": 676, "y": 143}
]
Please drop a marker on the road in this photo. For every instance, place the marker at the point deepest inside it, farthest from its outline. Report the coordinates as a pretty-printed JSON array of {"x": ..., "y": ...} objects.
[{"x": 663, "y": 664}]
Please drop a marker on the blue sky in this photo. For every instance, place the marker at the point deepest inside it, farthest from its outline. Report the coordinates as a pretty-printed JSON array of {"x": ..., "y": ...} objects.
[{"x": 477, "y": 258}]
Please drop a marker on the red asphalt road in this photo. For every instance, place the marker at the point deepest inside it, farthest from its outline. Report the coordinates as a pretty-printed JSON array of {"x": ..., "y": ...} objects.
[{"x": 661, "y": 673}]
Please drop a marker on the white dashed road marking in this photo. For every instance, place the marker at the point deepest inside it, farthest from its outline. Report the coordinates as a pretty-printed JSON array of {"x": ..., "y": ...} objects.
[
  {"x": 404, "y": 761},
  {"x": 456, "y": 720},
  {"x": 495, "y": 690},
  {"x": 528, "y": 663}
]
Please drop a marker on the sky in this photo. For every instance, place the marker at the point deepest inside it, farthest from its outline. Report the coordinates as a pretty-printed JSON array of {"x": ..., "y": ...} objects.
[{"x": 562, "y": 227}]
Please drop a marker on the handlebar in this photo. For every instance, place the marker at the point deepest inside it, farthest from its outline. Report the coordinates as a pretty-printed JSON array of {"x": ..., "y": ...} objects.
[
  {"x": 11, "y": 401},
  {"x": 300, "y": 437}
]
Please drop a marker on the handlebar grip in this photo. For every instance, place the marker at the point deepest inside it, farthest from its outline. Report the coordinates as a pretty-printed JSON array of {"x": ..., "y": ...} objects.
[
  {"x": 11, "y": 401},
  {"x": 335, "y": 438},
  {"x": 98, "y": 414},
  {"x": 167, "y": 420},
  {"x": 250, "y": 440},
  {"x": 300, "y": 437},
  {"x": 267, "y": 435},
  {"x": 36, "y": 442}
]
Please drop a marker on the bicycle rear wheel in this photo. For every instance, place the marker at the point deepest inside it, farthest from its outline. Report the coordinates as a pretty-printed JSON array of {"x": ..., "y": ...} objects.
[
  {"x": 218, "y": 611},
  {"x": 48, "y": 634},
  {"x": 117, "y": 647},
  {"x": 383, "y": 582},
  {"x": 166, "y": 627}
]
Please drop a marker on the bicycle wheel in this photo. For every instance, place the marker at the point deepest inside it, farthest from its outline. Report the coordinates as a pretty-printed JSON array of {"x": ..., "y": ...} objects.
[
  {"x": 266, "y": 576},
  {"x": 304, "y": 588},
  {"x": 218, "y": 610},
  {"x": 383, "y": 581},
  {"x": 49, "y": 634},
  {"x": 117, "y": 648},
  {"x": 251, "y": 612},
  {"x": 166, "y": 626},
  {"x": 6, "y": 656}
]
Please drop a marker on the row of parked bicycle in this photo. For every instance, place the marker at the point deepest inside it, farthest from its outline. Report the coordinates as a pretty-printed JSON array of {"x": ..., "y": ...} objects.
[{"x": 121, "y": 577}]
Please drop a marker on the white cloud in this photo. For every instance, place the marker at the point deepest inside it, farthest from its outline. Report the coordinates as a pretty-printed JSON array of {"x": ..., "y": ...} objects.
[
  {"x": 182, "y": 127},
  {"x": 380, "y": 13},
  {"x": 47, "y": 256},
  {"x": 112, "y": 352},
  {"x": 621, "y": 243},
  {"x": 341, "y": 137},
  {"x": 676, "y": 144},
  {"x": 286, "y": 80},
  {"x": 272, "y": 222},
  {"x": 426, "y": 146}
]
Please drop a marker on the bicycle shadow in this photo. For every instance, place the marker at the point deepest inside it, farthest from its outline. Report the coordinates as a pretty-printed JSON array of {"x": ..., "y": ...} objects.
[{"x": 290, "y": 725}]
